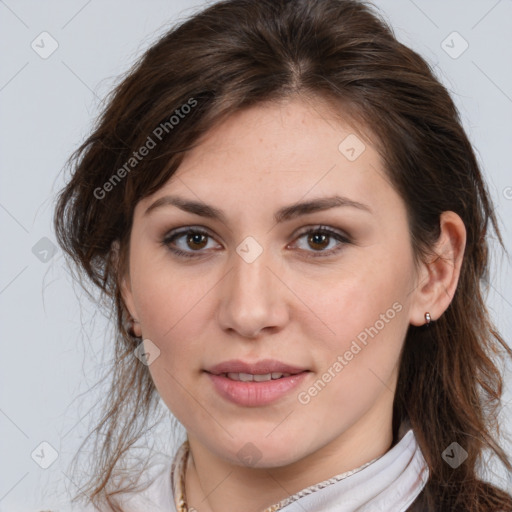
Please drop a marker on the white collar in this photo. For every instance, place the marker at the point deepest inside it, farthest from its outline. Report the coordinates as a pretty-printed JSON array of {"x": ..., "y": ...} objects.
[{"x": 390, "y": 482}]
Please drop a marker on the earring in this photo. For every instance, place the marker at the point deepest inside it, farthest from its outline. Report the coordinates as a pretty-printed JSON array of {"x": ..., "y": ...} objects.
[{"x": 428, "y": 318}]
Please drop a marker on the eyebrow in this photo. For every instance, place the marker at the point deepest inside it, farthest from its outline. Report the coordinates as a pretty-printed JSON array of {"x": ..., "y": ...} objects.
[{"x": 284, "y": 214}]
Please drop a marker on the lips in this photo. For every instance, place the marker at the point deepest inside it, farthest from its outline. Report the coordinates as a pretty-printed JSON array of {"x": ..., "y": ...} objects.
[{"x": 255, "y": 384}]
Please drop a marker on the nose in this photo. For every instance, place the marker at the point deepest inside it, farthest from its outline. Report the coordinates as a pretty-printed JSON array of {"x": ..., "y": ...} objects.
[{"x": 253, "y": 298}]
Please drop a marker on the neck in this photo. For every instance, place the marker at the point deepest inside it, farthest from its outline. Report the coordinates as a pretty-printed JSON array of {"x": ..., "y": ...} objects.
[{"x": 213, "y": 484}]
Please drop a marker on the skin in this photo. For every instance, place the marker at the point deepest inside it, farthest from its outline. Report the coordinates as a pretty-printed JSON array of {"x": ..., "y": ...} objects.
[{"x": 286, "y": 304}]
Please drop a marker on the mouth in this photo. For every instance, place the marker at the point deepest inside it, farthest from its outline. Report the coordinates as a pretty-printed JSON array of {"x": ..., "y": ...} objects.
[
  {"x": 249, "y": 377},
  {"x": 263, "y": 367},
  {"x": 255, "y": 384}
]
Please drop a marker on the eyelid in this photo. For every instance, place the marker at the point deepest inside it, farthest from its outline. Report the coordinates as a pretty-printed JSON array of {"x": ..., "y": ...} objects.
[{"x": 322, "y": 227}]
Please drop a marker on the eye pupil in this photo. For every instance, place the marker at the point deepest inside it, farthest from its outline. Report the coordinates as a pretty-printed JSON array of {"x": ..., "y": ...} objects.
[
  {"x": 319, "y": 239},
  {"x": 196, "y": 239}
]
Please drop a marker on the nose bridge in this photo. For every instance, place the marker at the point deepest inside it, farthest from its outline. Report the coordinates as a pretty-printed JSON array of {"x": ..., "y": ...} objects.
[
  {"x": 251, "y": 276},
  {"x": 251, "y": 280},
  {"x": 250, "y": 300}
]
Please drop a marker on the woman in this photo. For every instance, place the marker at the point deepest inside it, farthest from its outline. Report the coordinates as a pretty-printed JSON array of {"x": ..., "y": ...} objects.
[{"x": 290, "y": 223}]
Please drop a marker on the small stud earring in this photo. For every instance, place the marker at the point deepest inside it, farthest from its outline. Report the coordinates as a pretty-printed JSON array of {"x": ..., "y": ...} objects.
[{"x": 428, "y": 318}]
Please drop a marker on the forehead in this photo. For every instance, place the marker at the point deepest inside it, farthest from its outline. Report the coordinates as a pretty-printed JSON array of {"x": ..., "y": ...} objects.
[{"x": 280, "y": 153}]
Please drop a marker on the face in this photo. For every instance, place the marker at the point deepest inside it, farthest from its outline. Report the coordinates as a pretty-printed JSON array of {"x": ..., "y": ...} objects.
[{"x": 321, "y": 294}]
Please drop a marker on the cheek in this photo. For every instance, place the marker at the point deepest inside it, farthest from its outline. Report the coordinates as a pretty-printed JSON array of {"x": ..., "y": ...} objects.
[
  {"x": 166, "y": 296},
  {"x": 357, "y": 362},
  {"x": 174, "y": 321},
  {"x": 171, "y": 324},
  {"x": 362, "y": 311},
  {"x": 171, "y": 307}
]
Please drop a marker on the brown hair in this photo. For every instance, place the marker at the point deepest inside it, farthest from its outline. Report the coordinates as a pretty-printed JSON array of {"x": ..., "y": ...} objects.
[{"x": 239, "y": 53}]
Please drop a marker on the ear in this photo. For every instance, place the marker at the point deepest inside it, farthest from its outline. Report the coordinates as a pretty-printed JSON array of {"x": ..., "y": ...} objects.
[
  {"x": 438, "y": 278},
  {"x": 126, "y": 288}
]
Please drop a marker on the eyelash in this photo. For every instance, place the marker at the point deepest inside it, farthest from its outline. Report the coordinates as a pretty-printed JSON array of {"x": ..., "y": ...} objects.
[{"x": 323, "y": 230}]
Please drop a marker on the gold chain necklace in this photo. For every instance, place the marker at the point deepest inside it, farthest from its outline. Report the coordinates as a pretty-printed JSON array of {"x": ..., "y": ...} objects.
[{"x": 179, "y": 487}]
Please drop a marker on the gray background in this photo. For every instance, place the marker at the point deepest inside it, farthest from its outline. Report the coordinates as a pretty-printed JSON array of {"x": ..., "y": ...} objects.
[{"x": 53, "y": 339}]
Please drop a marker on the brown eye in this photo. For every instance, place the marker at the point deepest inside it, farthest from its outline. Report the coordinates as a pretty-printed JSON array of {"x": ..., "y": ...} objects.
[
  {"x": 197, "y": 239},
  {"x": 193, "y": 241},
  {"x": 318, "y": 241},
  {"x": 187, "y": 242},
  {"x": 320, "y": 238}
]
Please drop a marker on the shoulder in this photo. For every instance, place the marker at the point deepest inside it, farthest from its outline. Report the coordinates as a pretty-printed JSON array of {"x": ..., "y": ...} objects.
[
  {"x": 156, "y": 494},
  {"x": 156, "y": 497}
]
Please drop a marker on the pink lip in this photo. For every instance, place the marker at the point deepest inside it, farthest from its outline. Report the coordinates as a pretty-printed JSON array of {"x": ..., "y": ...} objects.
[{"x": 254, "y": 394}]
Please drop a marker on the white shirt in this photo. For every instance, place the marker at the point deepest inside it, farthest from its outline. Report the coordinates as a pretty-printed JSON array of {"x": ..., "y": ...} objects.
[{"x": 390, "y": 482}]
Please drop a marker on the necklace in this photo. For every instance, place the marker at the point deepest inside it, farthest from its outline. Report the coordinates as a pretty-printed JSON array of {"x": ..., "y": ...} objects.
[
  {"x": 179, "y": 483},
  {"x": 178, "y": 479},
  {"x": 179, "y": 469}
]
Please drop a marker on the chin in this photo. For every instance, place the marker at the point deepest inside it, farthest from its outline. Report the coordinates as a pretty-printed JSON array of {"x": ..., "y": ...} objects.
[{"x": 259, "y": 451}]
